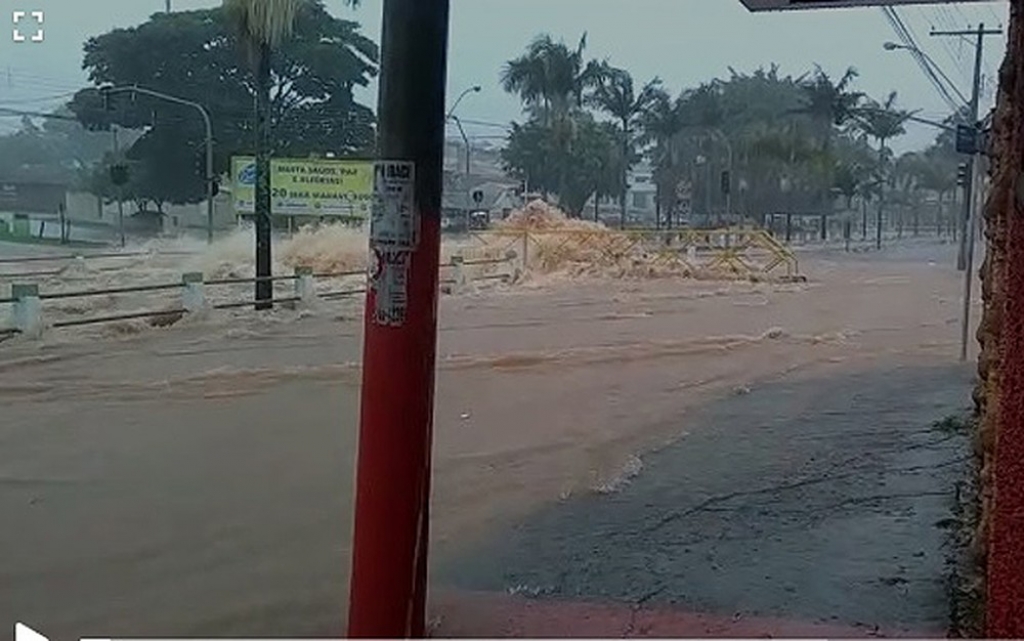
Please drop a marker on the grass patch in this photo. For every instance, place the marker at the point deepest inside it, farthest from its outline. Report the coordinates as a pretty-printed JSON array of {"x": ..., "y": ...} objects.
[{"x": 955, "y": 424}]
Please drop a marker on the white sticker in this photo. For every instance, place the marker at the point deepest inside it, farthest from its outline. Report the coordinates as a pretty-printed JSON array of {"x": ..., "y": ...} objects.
[
  {"x": 390, "y": 285},
  {"x": 394, "y": 220}
]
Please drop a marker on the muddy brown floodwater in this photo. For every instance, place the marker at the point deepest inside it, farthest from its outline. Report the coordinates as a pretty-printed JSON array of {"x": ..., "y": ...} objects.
[{"x": 197, "y": 480}]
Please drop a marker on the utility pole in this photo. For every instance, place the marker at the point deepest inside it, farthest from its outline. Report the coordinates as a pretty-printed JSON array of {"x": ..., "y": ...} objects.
[
  {"x": 972, "y": 188},
  {"x": 168, "y": 5},
  {"x": 120, "y": 189},
  {"x": 392, "y": 519},
  {"x": 881, "y": 195},
  {"x": 973, "y": 107}
]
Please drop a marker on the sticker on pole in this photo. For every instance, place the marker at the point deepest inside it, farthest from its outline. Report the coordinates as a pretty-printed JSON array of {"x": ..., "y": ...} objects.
[
  {"x": 394, "y": 221},
  {"x": 390, "y": 285}
]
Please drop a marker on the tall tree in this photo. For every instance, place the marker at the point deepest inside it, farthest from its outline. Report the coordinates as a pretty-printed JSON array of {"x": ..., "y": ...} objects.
[
  {"x": 662, "y": 124},
  {"x": 195, "y": 55},
  {"x": 614, "y": 94},
  {"x": 263, "y": 25},
  {"x": 588, "y": 166},
  {"x": 829, "y": 103},
  {"x": 883, "y": 122},
  {"x": 550, "y": 78}
]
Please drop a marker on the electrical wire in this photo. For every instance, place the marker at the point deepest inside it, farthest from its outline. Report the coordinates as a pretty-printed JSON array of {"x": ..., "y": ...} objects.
[{"x": 931, "y": 72}]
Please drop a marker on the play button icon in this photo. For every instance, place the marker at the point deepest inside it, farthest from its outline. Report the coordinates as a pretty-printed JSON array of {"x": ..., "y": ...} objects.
[{"x": 24, "y": 633}]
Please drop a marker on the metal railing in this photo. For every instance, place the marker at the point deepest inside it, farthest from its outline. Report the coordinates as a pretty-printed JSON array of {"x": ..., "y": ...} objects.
[
  {"x": 457, "y": 263},
  {"x": 49, "y": 258},
  {"x": 718, "y": 253}
]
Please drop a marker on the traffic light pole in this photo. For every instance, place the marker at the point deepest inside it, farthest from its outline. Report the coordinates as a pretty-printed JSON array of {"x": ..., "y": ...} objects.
[
  {"x": 208, "y": 126},
  {"x": 389, "y": 555},
  {"x": 973, "y": 107},
  {"x": 972, "y": 186},
  {"x": 120, "y": 188}
]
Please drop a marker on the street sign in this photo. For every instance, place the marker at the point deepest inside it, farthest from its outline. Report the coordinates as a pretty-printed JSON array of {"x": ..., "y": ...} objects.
[
  {"x": 789, "y": 5},
  {"x": 966, "y": 139}
]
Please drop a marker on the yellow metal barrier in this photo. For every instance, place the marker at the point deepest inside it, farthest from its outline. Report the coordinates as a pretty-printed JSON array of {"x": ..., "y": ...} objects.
[{"x": 714, "y": 253}]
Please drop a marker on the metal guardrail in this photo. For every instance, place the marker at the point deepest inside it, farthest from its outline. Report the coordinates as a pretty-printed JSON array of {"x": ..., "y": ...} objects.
[
  {"x": 735, "y": 252},
  {"x": 178, "y": 312},
  {"x": 59, "y": 257}
]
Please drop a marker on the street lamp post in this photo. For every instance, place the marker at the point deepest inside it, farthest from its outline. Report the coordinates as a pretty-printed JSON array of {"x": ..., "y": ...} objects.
[
  {"x": 892, "y": 46},
  {"x": 466, "y": 92},
  {"x": 717, "y": 133},
  {"x": 465, "y": 139}
]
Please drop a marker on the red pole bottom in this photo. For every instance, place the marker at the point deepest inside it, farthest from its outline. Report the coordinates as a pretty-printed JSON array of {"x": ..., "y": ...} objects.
[{"x": 392, "y": 490}]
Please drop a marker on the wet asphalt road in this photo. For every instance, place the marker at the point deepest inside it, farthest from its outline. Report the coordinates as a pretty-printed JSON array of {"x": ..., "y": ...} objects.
[{"x": 818, "y": 501}]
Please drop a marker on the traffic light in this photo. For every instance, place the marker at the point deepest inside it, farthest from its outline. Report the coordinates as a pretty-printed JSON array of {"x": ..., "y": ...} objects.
[
  {"x": 967, "y": 139},
  {"x": 119, "y": 174},
  {"x": 961, "y": 174},
  {"x": 726, "y": 182}
]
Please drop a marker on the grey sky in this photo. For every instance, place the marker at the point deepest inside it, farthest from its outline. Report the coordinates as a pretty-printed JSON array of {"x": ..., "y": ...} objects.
[{"x": 682, "y": 41}]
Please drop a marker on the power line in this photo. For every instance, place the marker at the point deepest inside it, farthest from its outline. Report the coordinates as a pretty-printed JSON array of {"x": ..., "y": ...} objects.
[{"x": 907, "y": 39}]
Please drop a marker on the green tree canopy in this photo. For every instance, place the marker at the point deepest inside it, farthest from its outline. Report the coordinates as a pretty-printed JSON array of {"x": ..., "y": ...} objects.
[
  {"x": 201, "y": 56},
  {"x": 591, "y": 164}
]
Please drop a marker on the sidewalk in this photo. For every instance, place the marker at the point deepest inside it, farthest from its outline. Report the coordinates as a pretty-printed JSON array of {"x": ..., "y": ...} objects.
[{"x": 814, "y": 508}]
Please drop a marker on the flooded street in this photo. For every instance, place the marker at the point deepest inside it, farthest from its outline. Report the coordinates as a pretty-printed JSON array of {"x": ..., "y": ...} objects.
[{"x": 197, "y": 480}]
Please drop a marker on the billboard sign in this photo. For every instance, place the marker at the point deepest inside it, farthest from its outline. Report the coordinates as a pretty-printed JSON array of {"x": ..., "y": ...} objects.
[
  {"x": 789, "y": 5},
  {"x": 306, "y": 186}
]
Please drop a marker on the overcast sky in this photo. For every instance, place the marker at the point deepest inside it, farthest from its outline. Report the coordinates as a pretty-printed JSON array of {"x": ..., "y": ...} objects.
[{"x": 684, "y": 42}]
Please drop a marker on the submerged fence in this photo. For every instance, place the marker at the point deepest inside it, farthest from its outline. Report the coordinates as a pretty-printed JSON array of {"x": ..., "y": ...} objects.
[
  {"x": 721, "y": 253},
  {"x": 29, "y": 314}
]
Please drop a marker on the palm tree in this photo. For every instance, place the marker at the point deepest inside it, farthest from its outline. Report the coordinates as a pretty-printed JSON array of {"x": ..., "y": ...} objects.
[
  {"x": 883, "y": 122},
  {"x": 263, "y": 26},
  {"x": 662, "y": 124},
  {"x": 616, "y": 96},
  {"x": 551, "y": 78},
  {"x": 847, "y": 180},
  {"x": 830, "y": 104}
]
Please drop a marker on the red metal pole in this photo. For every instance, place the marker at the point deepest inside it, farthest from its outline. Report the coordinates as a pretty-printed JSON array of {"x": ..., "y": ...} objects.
[{"x": 388, "y": 589}]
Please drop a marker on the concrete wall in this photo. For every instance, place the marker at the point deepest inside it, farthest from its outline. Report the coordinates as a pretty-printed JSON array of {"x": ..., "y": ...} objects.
[{"x": 86, "y": 207}]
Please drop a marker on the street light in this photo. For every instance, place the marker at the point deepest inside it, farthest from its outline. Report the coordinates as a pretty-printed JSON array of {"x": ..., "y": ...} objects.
[
  {"x": 893, "y": 46},
  {"x": 465, "y": 140},
  {"x": 473, "y": 89}
]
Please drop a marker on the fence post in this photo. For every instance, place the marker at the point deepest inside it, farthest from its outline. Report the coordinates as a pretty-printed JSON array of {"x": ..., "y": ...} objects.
[
  {"x": 526, "y": 250},
  {"x": 28, "y": 310},
  {"x": 510, "y": 257},
  {"x": 193, "y": 297},
  {"x": 305, "y": 288},
  {"x": 458, "y": 271}
]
